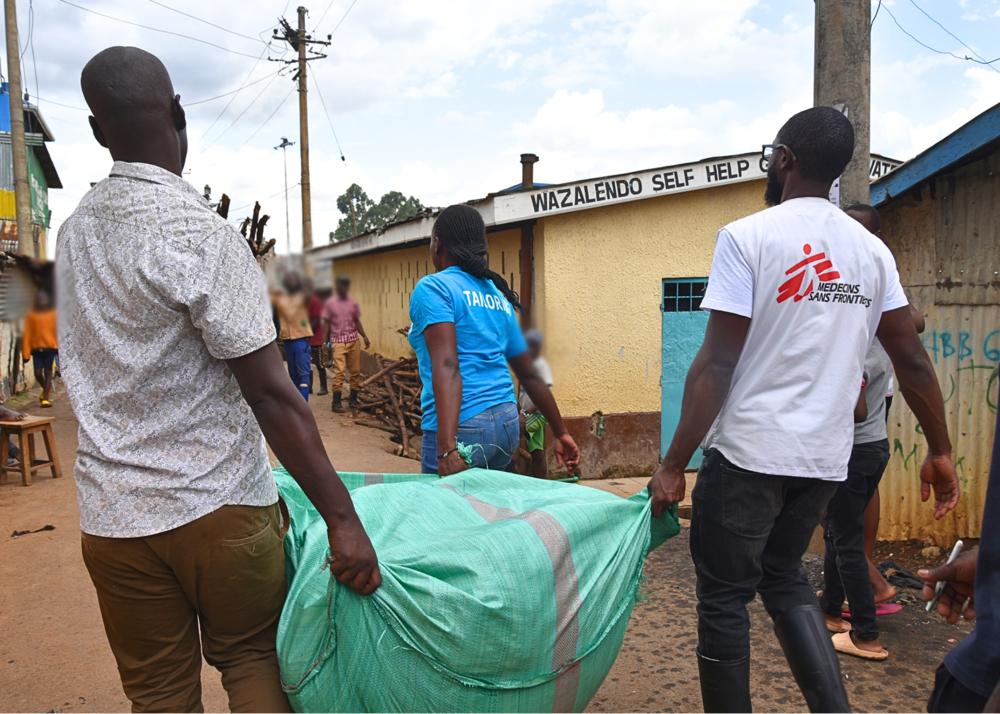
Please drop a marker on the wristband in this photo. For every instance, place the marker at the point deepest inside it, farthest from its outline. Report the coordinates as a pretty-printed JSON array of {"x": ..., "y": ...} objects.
[{"x": 446, "y": 454}]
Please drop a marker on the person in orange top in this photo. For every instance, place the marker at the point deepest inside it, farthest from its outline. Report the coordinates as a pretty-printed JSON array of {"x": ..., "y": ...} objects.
[
  {"x": 295, "y": 330},
  {"x": 40, "y": 344}
]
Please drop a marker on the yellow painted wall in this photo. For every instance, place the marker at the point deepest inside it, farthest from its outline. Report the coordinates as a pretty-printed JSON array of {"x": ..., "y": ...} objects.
[
  {"x": 383, "y": 282},
  {"x": 599, "y": 275}
]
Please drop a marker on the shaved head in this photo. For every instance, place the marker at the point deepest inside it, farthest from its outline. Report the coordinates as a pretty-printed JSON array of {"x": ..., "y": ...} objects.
[{"x": 136, "y": 114}]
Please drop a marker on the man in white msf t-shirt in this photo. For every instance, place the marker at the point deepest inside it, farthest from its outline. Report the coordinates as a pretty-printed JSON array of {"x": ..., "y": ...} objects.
[{"x": 796, "y": 293}]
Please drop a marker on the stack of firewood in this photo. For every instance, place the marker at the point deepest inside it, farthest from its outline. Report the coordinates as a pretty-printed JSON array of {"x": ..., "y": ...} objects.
[{"x": 390, "y": 401}]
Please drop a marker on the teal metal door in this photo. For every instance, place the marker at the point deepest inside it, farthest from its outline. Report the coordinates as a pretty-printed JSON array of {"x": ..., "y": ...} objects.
[{"x": 683, "y": 332}]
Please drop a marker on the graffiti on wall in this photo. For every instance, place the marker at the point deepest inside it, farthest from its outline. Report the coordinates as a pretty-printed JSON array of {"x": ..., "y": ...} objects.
[
  {"x": 966, "y": 364},
  {"x": 964, "y": 353}
]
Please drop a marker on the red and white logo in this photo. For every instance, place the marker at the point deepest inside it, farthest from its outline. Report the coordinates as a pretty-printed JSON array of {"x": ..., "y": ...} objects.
[{"x": 805, "y": 274}]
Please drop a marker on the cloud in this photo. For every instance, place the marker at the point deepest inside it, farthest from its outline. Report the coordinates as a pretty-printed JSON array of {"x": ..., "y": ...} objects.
[
  {"x": 908, "y": 134},
  {"x": 577, "y": 135}
]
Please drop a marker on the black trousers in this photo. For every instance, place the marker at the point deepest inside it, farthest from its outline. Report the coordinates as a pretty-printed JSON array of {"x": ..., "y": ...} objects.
[
  {"x": 950, "y": 695},
  {"x": 748, "y": 534},
  {"x": 845, "y": 568},
  {"x": 317, "y": 360}
]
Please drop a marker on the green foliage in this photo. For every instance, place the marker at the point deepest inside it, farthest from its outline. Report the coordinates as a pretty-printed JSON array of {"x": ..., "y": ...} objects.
[{"x": 362, "y": 214}]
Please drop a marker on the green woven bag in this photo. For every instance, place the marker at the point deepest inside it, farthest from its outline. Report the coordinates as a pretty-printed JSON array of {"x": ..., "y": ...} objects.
[{"x": 499, "y": 593}]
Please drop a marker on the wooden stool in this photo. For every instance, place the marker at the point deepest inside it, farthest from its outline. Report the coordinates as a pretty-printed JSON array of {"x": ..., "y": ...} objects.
[{"x": 25, "y": 431}]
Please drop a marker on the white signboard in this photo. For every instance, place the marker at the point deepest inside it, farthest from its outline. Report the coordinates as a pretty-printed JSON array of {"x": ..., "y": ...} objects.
[{"x": 581, "y": 195}]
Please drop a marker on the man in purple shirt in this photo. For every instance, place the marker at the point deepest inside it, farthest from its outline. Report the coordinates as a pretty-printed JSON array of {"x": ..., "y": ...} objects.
[{"x": 343, "y": 332}]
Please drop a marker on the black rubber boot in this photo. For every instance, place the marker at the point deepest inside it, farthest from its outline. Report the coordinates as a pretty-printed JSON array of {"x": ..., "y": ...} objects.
[
  {"x": 725, "y": 685},
  {"x": 338, "y": 403},
  {"x": 352, "y": 400},
  {"x": 812, "y": 659}
]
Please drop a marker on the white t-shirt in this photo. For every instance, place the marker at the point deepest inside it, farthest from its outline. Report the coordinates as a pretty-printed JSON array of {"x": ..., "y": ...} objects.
[
  {"x": 815, "y": 284},
  {"x": 545, "y": 372}
]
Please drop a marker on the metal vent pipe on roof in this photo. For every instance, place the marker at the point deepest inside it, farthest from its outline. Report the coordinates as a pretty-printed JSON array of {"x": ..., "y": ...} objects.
[{"x": 528, "y": 170}]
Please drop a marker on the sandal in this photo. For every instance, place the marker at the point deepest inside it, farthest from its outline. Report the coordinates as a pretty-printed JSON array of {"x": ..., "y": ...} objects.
[
  {"x": 836, "y": 626},
  {"x": 881, "y": 610},
  {"x": 843, "y": 643}
]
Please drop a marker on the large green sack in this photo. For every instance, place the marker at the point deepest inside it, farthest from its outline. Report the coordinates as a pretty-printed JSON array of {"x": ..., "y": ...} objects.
[{"x": 500, "y": 593}]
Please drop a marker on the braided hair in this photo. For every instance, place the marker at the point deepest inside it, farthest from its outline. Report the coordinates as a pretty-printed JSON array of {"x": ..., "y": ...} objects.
[{"x": 462, "y": 232}]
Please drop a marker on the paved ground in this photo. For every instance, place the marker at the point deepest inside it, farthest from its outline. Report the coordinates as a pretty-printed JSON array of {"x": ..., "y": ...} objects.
[{"x": 54, "y": 657}]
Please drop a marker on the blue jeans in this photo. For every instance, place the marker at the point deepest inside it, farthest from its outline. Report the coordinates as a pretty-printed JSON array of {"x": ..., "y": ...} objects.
[
  {"x": 299, "y": 359},
  {"x": 492, "y": 435}
]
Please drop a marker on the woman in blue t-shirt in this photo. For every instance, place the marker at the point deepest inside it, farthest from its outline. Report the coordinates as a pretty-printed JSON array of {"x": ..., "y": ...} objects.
[{"x": 465, "y": 333}]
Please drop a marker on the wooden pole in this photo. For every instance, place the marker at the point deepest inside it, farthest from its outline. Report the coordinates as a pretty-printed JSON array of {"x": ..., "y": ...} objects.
[
  {"x": 19, "y": 149},
  {"x": 304, "y": 139},
  {"x": 842, "y": 79}
]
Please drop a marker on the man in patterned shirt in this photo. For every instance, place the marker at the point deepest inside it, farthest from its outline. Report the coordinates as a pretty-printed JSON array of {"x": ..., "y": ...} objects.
[{"x": 172, "y": 371}]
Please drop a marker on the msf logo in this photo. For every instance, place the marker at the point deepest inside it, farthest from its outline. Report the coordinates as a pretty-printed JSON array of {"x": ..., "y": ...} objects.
[{"x": 805, "y": 274}]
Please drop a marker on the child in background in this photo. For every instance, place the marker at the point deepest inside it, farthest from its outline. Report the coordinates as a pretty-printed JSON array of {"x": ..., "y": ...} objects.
[
  {"x": 534, "y": 422},
  {"x": 40, "y": 344}
]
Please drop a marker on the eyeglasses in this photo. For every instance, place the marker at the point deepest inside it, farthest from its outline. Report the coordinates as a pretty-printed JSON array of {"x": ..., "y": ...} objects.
[{"x": 767, "y": 151}]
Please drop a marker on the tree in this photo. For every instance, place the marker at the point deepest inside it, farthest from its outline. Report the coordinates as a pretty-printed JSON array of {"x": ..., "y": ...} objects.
[{"x": 361, "y": 214}]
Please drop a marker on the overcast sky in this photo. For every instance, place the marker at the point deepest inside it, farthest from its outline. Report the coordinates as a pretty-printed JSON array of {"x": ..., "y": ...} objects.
[{"x": 437, "y": 98}]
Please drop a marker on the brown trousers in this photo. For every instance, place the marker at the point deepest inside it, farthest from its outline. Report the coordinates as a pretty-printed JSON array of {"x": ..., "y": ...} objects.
[
  {"x": 346, "y": 359},
  {"x": 214, "y": 586}
]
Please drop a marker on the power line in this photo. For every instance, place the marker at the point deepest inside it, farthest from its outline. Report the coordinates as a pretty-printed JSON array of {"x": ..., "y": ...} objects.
[
  {"x": 955, "y": 37},
  {"x": 239, "y": 116},
  {"x": 934, "y": 49},
  {"x": 344, "y": 17},
  {"x": 156, "y": 29},
  {"x": 328, "y": 119},
  {"x": 31, "y": 42},
  {"x": 206, "y": 22},
  {"x": 323, "y": 16},
  {"x": 269, "y": 117},
  {"x": 60, "y": 104},
  {"x": 875, "y": 16},
  {"x": 247, "y": 205},
  {"x": 242, "y": 86},
  {"x": 232, "y": 92},
  {"x": 186, "y": 104}
]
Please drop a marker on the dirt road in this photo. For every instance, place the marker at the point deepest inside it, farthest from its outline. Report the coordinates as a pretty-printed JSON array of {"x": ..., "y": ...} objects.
[{"x": 54, "y": 656}]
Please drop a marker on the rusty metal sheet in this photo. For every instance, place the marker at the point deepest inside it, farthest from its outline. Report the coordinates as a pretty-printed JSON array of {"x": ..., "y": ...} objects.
[{"x": 963, "y": 342}]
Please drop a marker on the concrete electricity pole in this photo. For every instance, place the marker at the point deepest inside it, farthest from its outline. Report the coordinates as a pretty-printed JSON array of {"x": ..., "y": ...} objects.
[
  {"x": 300, "y": 40},
  {"x": 19, "y": 150},
  {"x": 285, "y": 143},
  {"x": 842, "y": 78}
]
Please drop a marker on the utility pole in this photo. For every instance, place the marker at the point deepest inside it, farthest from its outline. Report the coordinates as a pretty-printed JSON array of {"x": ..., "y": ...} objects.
[
  {"x": 19, "y": 150},
  {"x": 842, "y": 79},
  {"x": 285, "y": 143},
  {"x": 300, "y": 41}
]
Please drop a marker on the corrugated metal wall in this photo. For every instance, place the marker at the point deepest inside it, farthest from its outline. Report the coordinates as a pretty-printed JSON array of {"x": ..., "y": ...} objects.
[
  {"x": 6, "y": 167},
  {"x": 947, "y": 245}
]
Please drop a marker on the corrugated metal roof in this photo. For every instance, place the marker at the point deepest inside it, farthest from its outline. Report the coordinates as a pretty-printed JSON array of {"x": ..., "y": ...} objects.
[{"x": 965, "y": 142}]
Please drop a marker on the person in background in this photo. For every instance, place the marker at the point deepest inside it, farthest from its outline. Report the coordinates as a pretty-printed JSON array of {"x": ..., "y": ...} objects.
[
  {"x": 968, "y": 680},
  {"x": 316, "y": 300},
  {"x": 845, "y": 568},
  {"x": 868, "y": 216},
  {"x": 796, "y": 293},
  {"x": 534, "y": 421},
  {"x": 40, "y": 344},
  {"x": 293, "y": 317},
  {"x": 172, "y": 371},
  {"x": 343, "y": 333},
  {"x": 465, "y": 334}
]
